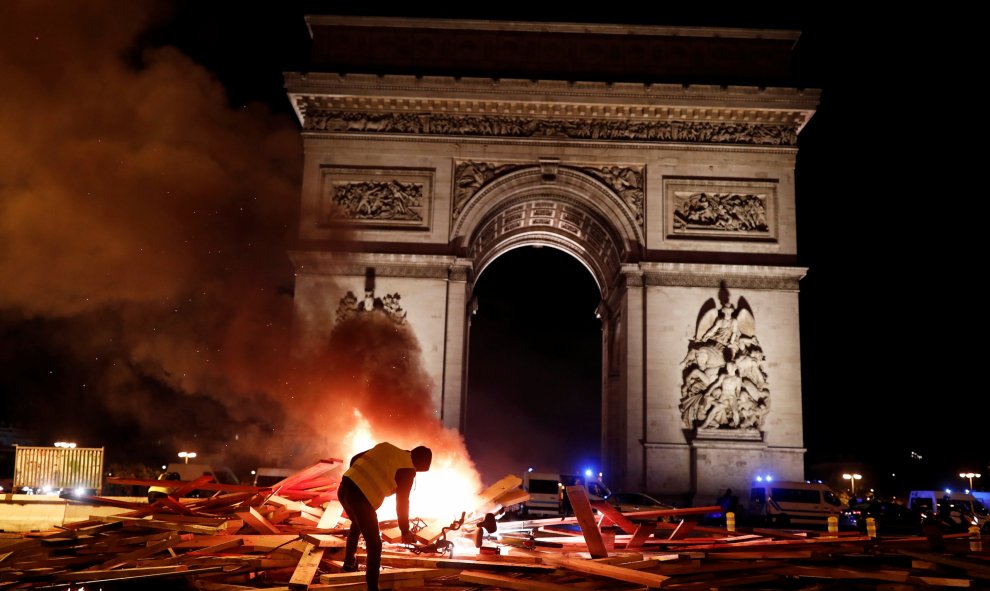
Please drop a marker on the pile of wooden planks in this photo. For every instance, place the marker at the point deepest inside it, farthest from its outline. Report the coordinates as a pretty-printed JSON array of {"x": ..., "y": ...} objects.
[{"x": 291, "y": 536}]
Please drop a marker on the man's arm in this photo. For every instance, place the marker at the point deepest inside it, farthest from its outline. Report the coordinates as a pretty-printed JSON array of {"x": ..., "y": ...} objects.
[{"x": 404, "y": 479}]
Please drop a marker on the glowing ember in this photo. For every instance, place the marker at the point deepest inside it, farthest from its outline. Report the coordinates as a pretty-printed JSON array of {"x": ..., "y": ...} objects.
[{"x": 448, "y": 488}]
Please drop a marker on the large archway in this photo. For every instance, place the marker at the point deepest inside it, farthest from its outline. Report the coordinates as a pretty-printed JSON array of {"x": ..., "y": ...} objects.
[
  {"x": 671, "y": 196},
  {"x": 534, "y": 396}
]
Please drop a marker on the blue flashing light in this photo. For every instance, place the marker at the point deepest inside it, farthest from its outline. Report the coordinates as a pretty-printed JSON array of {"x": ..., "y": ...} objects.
[
  {"x": 769, "y": 478},
  {"x": 948, "y": 491},
  {"x": 529, "y": 469},
  {"x": 588, "y": 472}
]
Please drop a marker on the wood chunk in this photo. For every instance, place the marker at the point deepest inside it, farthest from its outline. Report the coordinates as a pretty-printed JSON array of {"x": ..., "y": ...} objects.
[
  {"x": 618, "y": 573},
  {"x": 682, "y": 530},
  {"x": 331, "y": 515},
  {"x": 613, "y": 515},
  {"x": 306, "y": 569},
  {"x": 257, "y": 521},
  {"x": 642, "y": 533},
  {"x": 324, "y": 540},
  {"x": 504, "y": 582},
  {"x": 586, "y": 519}
]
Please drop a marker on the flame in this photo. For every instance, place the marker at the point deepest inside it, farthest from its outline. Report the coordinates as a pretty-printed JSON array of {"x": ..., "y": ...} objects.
[{"x": 442, "y": 493}]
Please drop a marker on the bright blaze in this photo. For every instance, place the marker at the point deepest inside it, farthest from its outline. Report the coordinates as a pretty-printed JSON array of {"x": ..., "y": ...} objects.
[{"x": 449, "y": 487}]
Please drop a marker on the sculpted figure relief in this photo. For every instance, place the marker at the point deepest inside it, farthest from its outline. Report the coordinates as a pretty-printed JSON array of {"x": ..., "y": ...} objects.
[
  {"x": 717, "y": 132},
  {"x": 725, "y": 382}
]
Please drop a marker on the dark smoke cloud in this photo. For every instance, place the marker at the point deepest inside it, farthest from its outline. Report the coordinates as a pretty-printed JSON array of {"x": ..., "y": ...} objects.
[
  {"x": 145, "y": 289},
  {"x": 144, "y": 285}
]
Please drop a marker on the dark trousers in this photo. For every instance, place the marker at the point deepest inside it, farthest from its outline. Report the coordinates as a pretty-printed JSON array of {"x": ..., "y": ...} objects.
[{"x": 364, "y": 522}]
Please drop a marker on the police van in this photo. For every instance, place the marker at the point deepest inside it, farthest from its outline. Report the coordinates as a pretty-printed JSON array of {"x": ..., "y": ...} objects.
[{"x": 789, "y": 502}]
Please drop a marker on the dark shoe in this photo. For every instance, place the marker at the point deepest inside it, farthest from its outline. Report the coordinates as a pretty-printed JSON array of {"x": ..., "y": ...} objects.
[{"x": 350, "y": 567}]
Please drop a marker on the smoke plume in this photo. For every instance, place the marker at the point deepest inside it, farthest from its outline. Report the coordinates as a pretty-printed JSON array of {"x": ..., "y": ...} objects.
[{"x": 145, "y": 290}]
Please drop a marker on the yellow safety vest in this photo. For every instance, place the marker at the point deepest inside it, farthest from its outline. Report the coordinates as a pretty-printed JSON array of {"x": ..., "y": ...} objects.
[{"x": 374, "y": 472}]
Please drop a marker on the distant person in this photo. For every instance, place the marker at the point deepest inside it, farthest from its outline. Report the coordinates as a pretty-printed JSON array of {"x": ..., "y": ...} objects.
[{"x": 374, "y": 474}]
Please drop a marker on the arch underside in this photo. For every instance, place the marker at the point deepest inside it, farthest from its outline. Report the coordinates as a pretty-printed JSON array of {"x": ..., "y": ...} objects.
[{"x": 568, "y": 210}]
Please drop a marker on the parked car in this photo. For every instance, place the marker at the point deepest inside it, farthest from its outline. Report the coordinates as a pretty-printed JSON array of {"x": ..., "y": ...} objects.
[
  {"x": 890, "y": 517},
  {"x": 632, "y": 502}
]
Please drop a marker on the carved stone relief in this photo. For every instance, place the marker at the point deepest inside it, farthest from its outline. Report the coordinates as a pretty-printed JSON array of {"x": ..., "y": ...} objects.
[
  {"x": 470, "y": 176},
  {"x": 376, "y": 200},
  {"x": 725, "y": 382},
  {"x": 376, "y": 197},
  {"x": 627, "y": 182},
  {"x": 720, "y": 209},
  {"x": 388, "y": 305},
  {"x": 426, "y": 123}
]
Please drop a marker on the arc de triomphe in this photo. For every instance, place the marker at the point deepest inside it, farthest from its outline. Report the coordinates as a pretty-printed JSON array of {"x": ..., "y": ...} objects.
[{"x": 678, "y": 198}]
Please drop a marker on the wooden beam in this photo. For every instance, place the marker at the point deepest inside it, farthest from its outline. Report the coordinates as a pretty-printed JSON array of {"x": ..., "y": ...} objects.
[
  {"x": 504, "y": 582},
  {"x": 590, "y": 567},
  {"x": 331, "y": 515},
  {"x": 256, "y": 520},
  {"x": 586, "y": 519},
  {"x": 613, "y": 515},
  {"x": 302, "y": 577},
  {"x": 682, "y": 530},
  {"x": 642, "y": 533}
]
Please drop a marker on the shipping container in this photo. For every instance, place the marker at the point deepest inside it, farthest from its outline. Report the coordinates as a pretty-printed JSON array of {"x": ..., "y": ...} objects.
[{"x": 58, "y": 468}]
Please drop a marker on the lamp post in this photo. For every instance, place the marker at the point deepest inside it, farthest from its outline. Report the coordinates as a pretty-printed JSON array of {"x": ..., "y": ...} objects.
[
  {"x": 970, "y": 476},
  {"x": 852, "y": 478},
  {"x": 185, "y": 455}
]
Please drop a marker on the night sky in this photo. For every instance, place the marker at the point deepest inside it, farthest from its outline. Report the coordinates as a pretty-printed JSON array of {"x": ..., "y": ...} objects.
[{"x": 122, "y": 303}]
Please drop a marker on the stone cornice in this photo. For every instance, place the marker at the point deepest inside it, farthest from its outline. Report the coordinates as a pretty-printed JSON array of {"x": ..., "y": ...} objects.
[
  {"x": 732, "y": 276},
  {"x": 515, "y": 96},
  {"x": 321, "y": 20},
  {"x": 385, "y": 265}
]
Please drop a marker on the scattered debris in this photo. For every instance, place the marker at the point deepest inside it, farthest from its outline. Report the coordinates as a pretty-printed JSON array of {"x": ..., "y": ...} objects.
[{"x": 291, "y": 536}]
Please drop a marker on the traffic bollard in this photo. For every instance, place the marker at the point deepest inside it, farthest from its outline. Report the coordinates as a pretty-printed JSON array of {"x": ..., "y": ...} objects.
[
  {"x": 833, "y": 526},
  {"x": 730, "y": 521},
  {"x": 871, "y": 527},
  {"x": 975, "y": 539}
]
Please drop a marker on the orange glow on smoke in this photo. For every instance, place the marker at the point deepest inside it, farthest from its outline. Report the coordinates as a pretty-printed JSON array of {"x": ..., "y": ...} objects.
[{"x": 450, "y": 486}]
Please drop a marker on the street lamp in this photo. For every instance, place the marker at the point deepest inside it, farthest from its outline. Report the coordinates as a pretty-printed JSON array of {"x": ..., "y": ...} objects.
[
  {"x": 186, "y": 455},
  {"x": 852, "y": 478},
  {"x": 970, "y": 476}
]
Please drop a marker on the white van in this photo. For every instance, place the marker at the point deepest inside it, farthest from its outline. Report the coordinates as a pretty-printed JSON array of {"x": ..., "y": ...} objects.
[
  {"x": 788, "y": 502},
  {"x": 931, "y": 502},
  {"x": 546, "y": 494},
  {"x": 271, "y": 476}
]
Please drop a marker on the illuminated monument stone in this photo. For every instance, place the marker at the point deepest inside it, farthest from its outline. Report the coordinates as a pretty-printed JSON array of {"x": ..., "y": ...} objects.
[{"x": 662, "y": 159}]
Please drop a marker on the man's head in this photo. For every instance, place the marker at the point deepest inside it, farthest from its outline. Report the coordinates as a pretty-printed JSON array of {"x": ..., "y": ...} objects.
[{"x": 422, "y": 457}]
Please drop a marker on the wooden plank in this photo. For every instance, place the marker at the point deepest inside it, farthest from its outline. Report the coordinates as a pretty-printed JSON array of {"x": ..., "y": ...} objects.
[
  {"x": 586, "y": 519},
  {"x": 294, "y": 506},
  {"x": 512, "y": 497},
  {"x": 682, "y": 530},
  {"x": 942, "y": 582},
  {"x": 642, "y": 533},
  {"x": 302, "y": 577},
  {"x": 149, "y": 550},
  {"x": 590, "y": 567},
  {"x": 162, "y": 525},
  {"x": 331, "y": 515},
  {"x": 976, "y": 569},
  {"x": 387, "y": 576},
  {"x": 504, "y": 582},
  {"x": 324, "y": 540},
  {"x": 257, "y": 521},
  {"x": 466, "y": 564},
  {"x": 613, "y": 515}
]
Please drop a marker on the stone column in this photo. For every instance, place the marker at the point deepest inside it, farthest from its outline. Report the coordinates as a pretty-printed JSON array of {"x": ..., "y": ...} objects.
[
  {"x": 455, "y": 345},
  {"x": 623, "y": 409}
]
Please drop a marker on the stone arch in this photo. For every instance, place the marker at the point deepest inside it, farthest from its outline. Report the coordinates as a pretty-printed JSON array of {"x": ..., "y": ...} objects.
[{"x": 564, "y": 208}]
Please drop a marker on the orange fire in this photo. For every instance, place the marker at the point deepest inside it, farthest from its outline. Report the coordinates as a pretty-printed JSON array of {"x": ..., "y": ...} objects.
[{"x": 450, "y": 486}]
